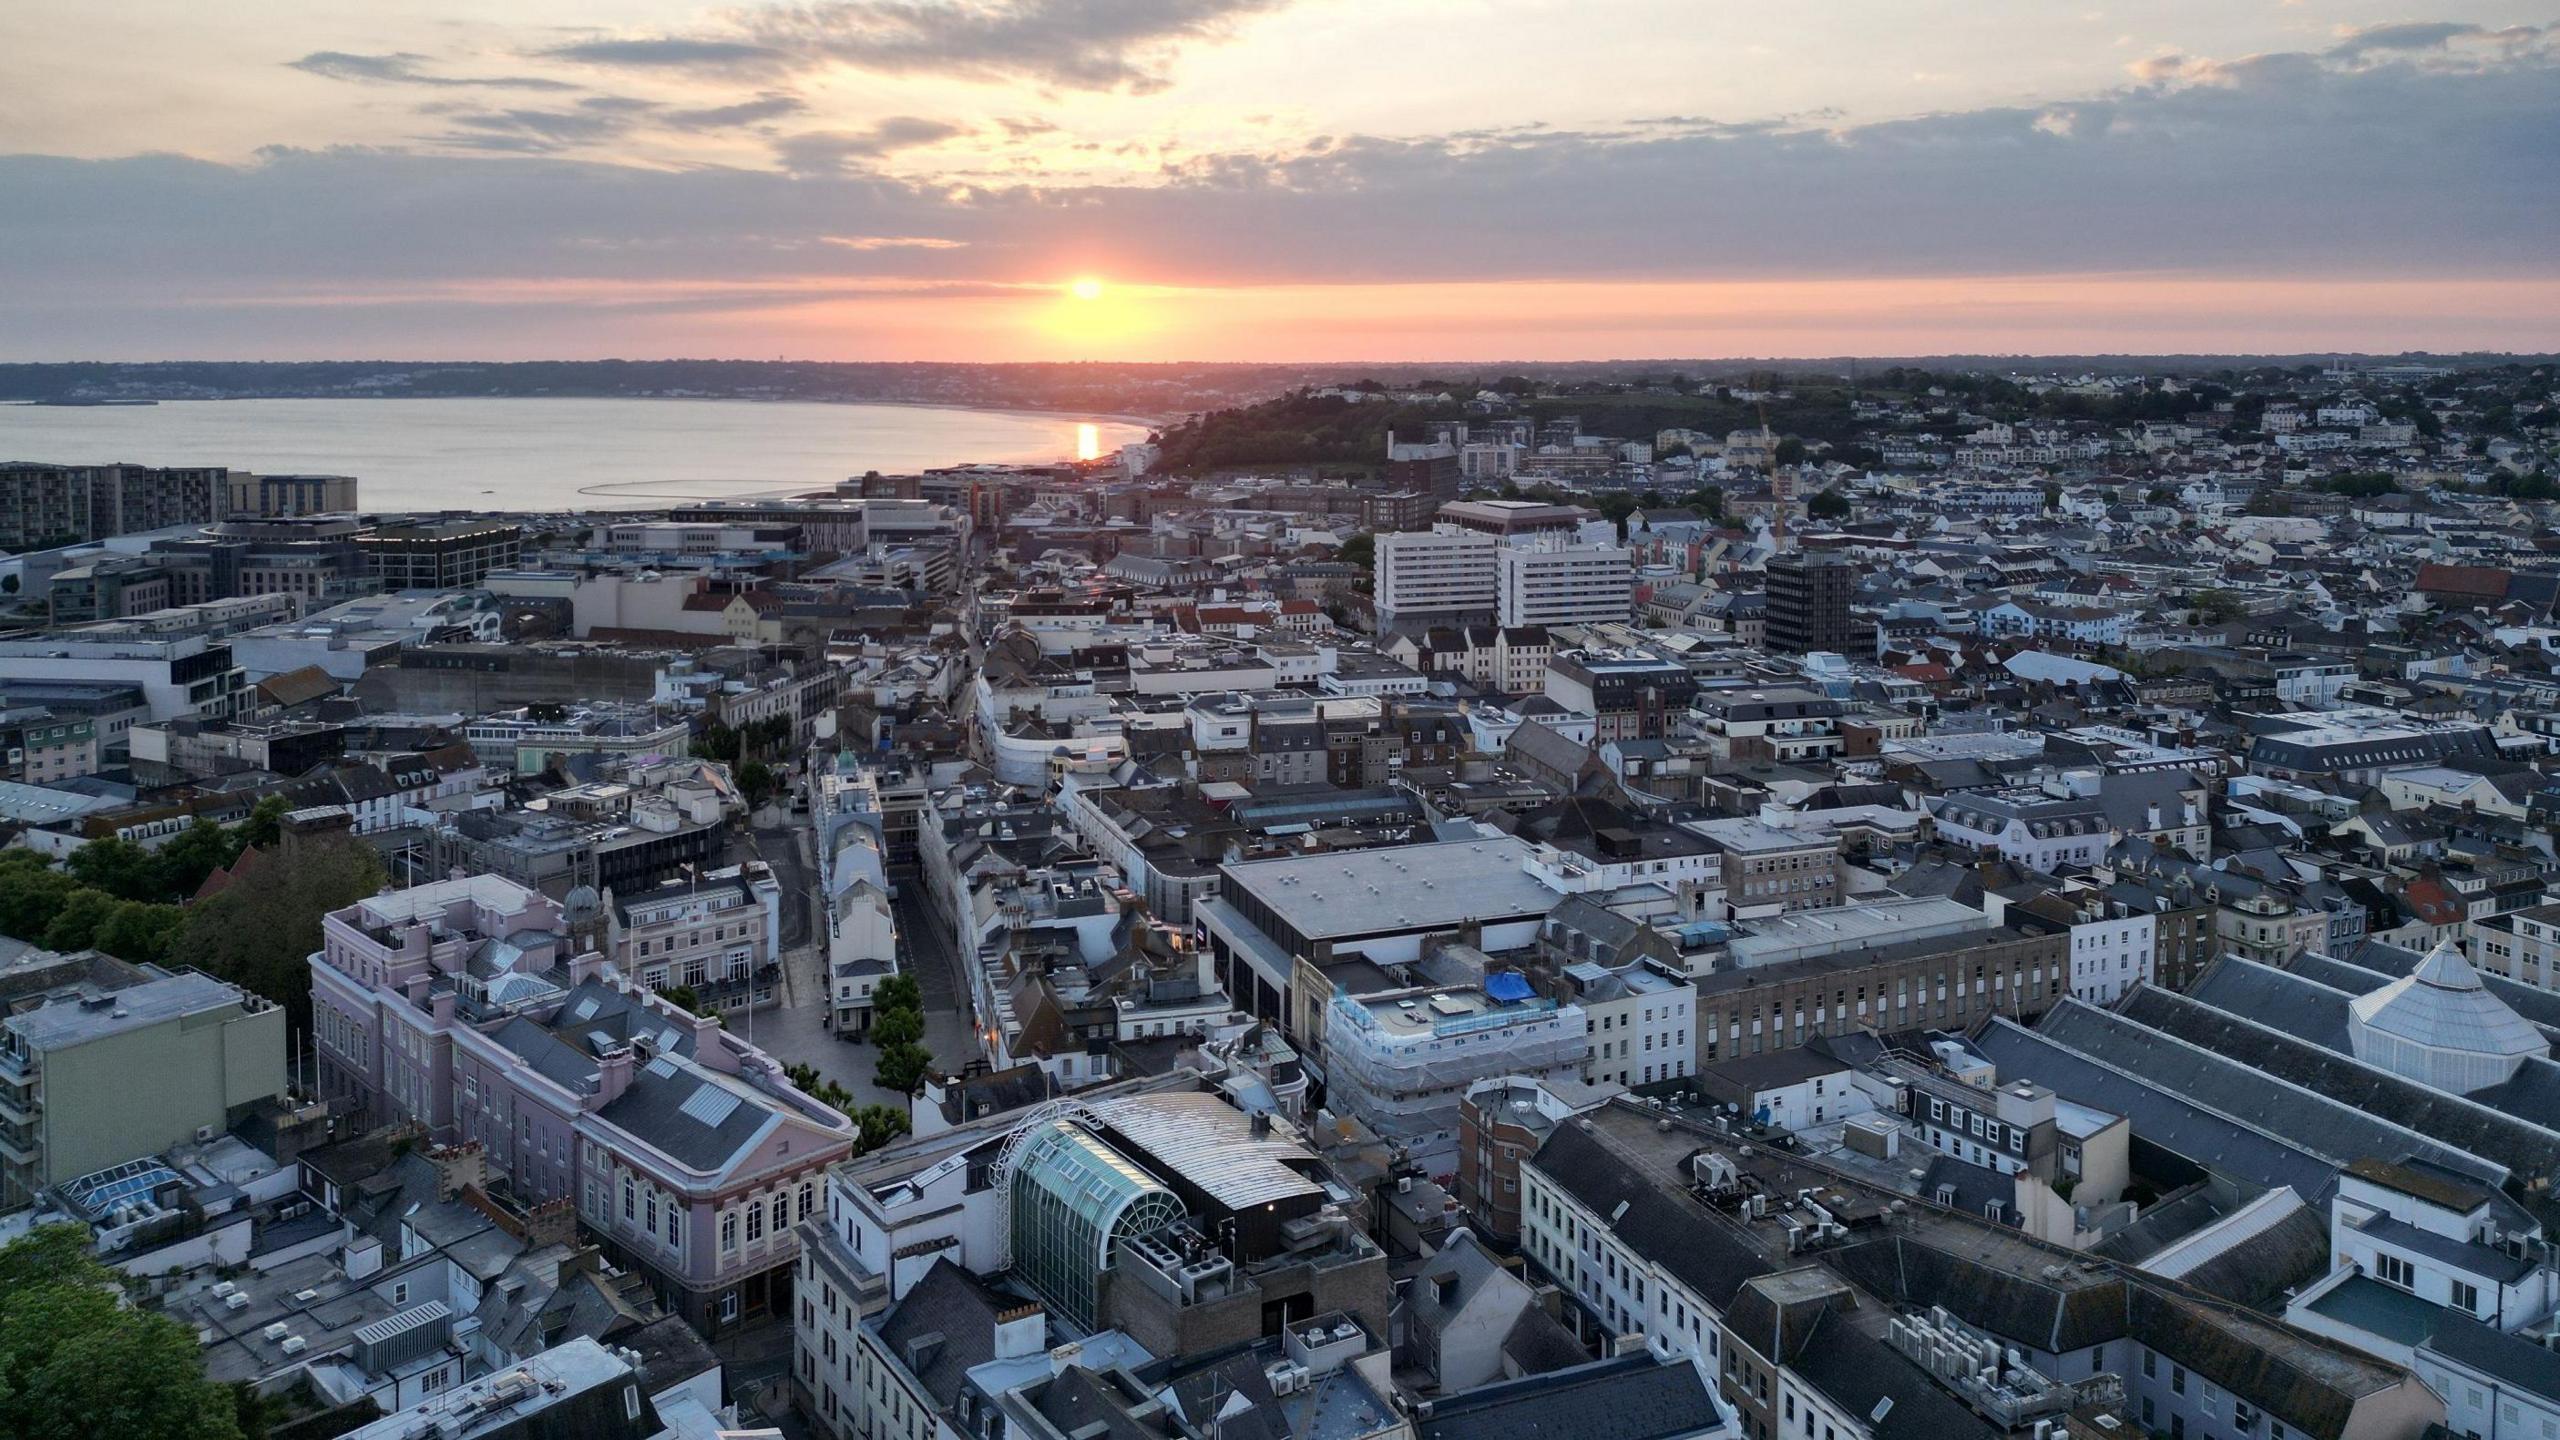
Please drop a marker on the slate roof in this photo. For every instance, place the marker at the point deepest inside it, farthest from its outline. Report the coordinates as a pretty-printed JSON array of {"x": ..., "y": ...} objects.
[
  {"x": 1633, "y": 1397},
  {"x": 2476, "y": 1125},
  {"x": 682, "y": 1112},
  {"x": 2262, "y": 1271},
  {"x": 944, "y": 1327},
  {"x": 2296, "y": 1004},
  {"x": 2294, "y": 1001},
  {"x": 2314, "y": 1389},
  {"x": 2060, "y": 1309},
  {"x": 2510, "y": 1359},
  {"x": 1079, "y": 1402},
  {"x": 2160, "y": 1114},
  {"x": 1674, "y": 1229},
  {"x": 1862, "y": 1375}
]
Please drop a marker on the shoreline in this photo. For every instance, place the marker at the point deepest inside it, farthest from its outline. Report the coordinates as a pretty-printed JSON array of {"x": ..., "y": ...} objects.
[{"x": 1149, "y": 423}]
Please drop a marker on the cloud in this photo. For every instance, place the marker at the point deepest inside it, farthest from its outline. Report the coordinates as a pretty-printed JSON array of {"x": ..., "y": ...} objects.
[
  {"x": 536, "y": 131},
  {"x": 2298, "y": 166},
  {"x": 672, "y": 53},
  {"x": 892, "y": 242},
  {"x": 833, "y": 152},
  {"x": 1126, "y": 45},
  {"x": 402, "y": 69},
  {"x": 745, "y": 112},
  {"x": 2407, "y": 35}
]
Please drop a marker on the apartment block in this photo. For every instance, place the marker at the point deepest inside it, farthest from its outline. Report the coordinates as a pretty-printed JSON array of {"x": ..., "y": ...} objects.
[
  {"x": 1563, "y": 585},
  {"x": 1427, "y": 578}
]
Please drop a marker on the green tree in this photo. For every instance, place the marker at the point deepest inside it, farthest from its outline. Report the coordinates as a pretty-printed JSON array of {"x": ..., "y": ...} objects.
[
  {"x": 265, "y": 824},
  {"x": 1790, "y": 451},
  {"x": 2216, "y": 607},
  {"x": 1827, "y": 505},
  {"x": 32, "y": 893},
  {"x": 139, "y": 932},
  {"x": 118, "y": 866},
  {"x": 755, "y": 781},
  {"x": 898, "y": 992},
  {"x": 260, "y": 931},
  {"x": 1615, "y": 507},
  {"x": 879, "y": 1124},
  {"x": 719, "y": 742},
  {"x": 892, "y": 1028},
  {"x": 1360, "y": 550},
  {"x": 194, "y": 853},
  {"x": 901, "y": 1067},
  {"x": 76, "y": 927},
  {"x": 2053, "y": 497},
  {"x": 75, "y": 1363}
]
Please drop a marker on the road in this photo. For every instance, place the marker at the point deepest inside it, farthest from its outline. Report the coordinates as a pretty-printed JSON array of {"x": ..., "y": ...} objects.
[{"x": 795, "y": 1031}]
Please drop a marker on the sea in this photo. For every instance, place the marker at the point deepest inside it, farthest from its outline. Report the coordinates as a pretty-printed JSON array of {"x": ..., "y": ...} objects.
[{"x": 549, "y": 454}]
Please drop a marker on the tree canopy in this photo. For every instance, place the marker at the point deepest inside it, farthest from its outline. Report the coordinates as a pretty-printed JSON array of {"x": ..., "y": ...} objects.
[
  {"x": 259, "y": 931},
  {"x": 76, "y": 1363}
]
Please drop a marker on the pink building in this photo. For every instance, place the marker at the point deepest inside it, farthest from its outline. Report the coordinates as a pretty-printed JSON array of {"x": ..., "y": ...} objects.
[{"x": 464, "y": 1006}]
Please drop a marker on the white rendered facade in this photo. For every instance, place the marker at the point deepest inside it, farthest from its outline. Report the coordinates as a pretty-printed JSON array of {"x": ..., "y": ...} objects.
[
  {"x": 1435, "y": 577},
  {"x": 1564, "y": 585}
]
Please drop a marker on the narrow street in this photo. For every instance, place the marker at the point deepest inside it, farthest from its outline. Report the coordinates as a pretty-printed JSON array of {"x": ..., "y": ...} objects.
[{"x": 795, "y": 1031}]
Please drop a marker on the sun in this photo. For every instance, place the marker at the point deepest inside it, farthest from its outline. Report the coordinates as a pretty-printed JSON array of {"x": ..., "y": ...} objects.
[{"x": 1087, "y": 288}]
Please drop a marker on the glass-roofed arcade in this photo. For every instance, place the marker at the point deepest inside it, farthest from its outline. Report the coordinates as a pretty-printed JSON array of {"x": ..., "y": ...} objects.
[{"x": 1074, "y": 1201}]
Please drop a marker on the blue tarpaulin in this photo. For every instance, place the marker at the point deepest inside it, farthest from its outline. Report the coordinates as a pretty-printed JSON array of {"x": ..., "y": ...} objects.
[{"x": 1507, "y": 986}]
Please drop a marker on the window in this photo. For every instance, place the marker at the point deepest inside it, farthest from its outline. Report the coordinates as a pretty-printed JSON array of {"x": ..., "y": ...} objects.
[
  {"x": 755, "y": 1221},
  {"x": 729, "y": 1230},
  {"x": 2466, "y": 1297},
  {"x": 2393, "y": 1270}
]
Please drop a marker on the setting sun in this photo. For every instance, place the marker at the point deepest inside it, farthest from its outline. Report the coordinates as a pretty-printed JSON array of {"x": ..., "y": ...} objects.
[{"x": 1087, "y": 288}]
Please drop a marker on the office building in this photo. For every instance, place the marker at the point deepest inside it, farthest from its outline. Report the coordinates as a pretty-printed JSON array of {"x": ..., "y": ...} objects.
[
  {"x": 122, "y": 1062},
  {"x": 1809, "y": 602},
  {"x": 439, "y": 554}
]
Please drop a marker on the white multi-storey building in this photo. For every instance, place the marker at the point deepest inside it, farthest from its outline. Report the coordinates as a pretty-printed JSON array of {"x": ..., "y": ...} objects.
[
  {"x": 1436, "y": 578},
  {"x": 1564, "y": 585}
]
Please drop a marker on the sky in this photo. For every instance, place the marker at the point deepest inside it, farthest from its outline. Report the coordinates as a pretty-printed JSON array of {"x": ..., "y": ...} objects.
[{"x": 1275, "y": 180}]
